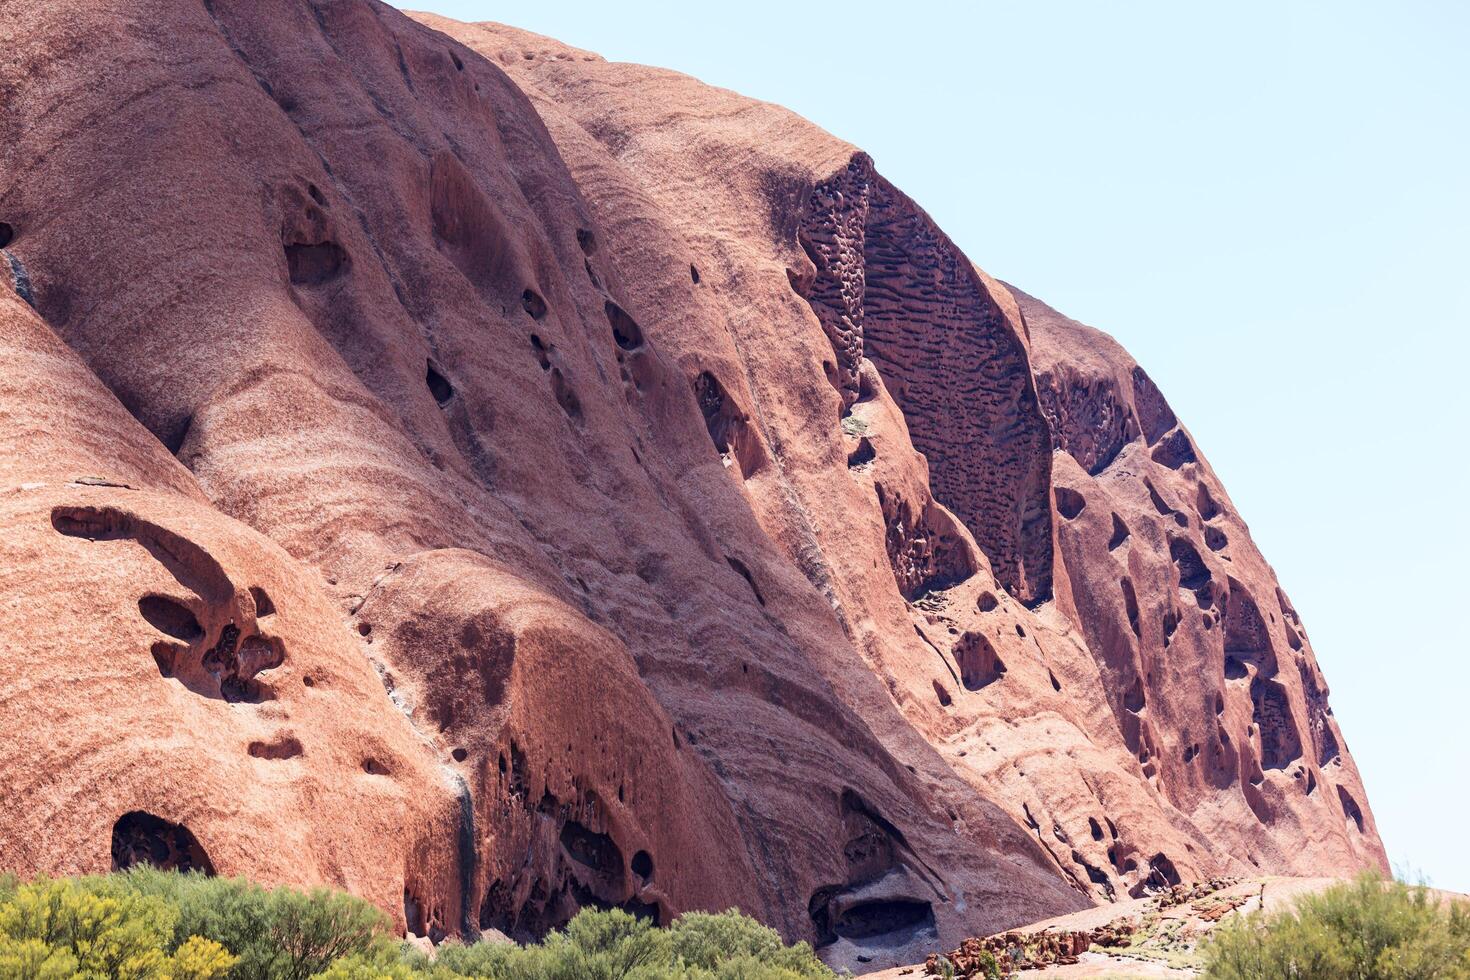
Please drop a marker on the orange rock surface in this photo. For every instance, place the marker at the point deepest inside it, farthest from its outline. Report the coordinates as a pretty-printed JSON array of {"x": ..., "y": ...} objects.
[{"x": 443, "y": 464}]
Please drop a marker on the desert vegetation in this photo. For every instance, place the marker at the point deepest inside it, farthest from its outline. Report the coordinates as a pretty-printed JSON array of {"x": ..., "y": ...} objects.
[
  {"x": 1367, "y": 929},
  {"x": 145, "y": 924}
]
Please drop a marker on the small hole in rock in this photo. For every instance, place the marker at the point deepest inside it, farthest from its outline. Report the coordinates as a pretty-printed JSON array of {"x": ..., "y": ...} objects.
[
  {"x": 541, "y": 351},
  {"x": 693, "y": 274},
  {"x": 587, "y": 241},
  {"x": 364, "y": 628},
  {"x": 7, "y": 235},
  {"x": 625, "y": 330},
  {"x": 308, "y": 681},
  {"x": 986, "y": 602},
  {"x": 285, "y": 747},
  {"x": 316, "y": 263},
  {"x": 643, "y": 865},
  {"x": 942, "y": 694},
  {"x": 439, "y": 386},
  {"x": 863, "y": 454},
  {"x": 744, "y": 573},
  {"x": 263, "y": 605},
  {"x": 565, "y": 396},
  {"x": 171, "y": 617},
  {"x": 1056, "y": 685},
  {"x": 459, "y": 755},
  {"x": 163, "y": 655},
  {"x": 979, "y": 664},
  {"x": 458, "y": 65},
  {"x": 533, "y": 304},
  {"x": 316, "y": 194},
  {"x": 374, "y": 768}
]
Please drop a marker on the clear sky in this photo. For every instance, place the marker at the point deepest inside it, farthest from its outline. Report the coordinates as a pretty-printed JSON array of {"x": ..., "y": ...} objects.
[{"x": 1268, "y": 203}]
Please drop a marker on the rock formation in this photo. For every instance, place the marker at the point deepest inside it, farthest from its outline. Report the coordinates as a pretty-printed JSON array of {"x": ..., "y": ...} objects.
[{"x": 497, "y": 481}]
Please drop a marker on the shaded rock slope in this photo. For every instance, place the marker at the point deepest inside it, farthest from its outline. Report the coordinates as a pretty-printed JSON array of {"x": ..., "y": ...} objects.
[{"x": 442, "y": 464}]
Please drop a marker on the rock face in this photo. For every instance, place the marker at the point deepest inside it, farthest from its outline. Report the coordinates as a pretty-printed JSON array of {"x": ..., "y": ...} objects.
[{"x": 497, "y": 481}]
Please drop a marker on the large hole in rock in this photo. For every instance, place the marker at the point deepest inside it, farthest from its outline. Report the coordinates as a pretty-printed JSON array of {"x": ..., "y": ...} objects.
[
  {"x": 1245, "y": 631},
  {"x": 171, "y": 617},
  {"x": 728, "y": 427},
  {"x": 1130, "y": 606},
  {"x": 263, "y": 605},
  {"x": 1070, "y": 503},
  {"x": 1161, "y": 875},
  {"x": 924, "y": 549},
  {"x": 626, "y": 332},
  {"x": 1205, "y": 504},
  {"x": 1350, "y": 808},
  {"x": 315, "y": 264},
  {"x": 881, "y": 918},
  {"x": 1095, "y": 874},
  {"x": 439, "y": 385},
  {"x": 1120, "y": 533},
  {"x": 862, "y": 454},
  {"x": 566, "y": 395},
  {"x": 533, "y": 304},
  {"x": 979, "y": 663},
  {"x": 7, "y": 234},
  {"x": 1280, "y": 743},
  {"x": 142, "y": 838},
  {"x": 1319, "y": 722},
  {"x": 599, "y": 852},
  {"x": 1174, "y": 450},
  {"x": 1154, "y": 415},
  {"x": 1194, "y": 574}
]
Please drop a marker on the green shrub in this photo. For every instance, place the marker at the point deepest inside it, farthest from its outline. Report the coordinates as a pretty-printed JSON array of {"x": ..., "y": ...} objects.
[
  {"x": 99, "y": 928},
  {"x": 611, "y": 945},
  {"x": 145, "y": 924},
  {"x": 712, "y": 941},
  {"x": 278, "y": 934},
  {"x": 1365, "y": 930}
]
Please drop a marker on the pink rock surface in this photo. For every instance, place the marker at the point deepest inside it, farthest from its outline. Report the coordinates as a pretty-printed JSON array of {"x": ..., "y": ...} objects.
[{"x": 497, "y": 481}]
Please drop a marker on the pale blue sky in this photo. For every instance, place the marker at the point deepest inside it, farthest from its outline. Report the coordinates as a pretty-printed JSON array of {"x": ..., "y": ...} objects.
[{"x": 1268, "y": 204}]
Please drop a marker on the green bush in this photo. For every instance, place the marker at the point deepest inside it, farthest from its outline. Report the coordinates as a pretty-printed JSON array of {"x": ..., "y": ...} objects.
[
  {"x": 144, "y": 924},
  {"x": 611, "y": 945},
  {"x": 99, "y": 928},
  {"x": 278, "y": 934},
  {"x": 1365, "y": 930}
]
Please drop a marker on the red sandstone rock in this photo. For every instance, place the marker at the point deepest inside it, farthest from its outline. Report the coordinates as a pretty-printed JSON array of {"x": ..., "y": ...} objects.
[{"x": 496, "y": 481}]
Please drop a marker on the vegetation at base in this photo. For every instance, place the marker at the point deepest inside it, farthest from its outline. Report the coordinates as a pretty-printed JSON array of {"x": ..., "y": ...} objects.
[
  {"x": 1367, "y": 929},
  {"x": 144, "y": 924}
]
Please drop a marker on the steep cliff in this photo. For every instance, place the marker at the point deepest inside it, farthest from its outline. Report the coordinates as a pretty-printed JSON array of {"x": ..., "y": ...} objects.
[{"x": 498, "y": 481}]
